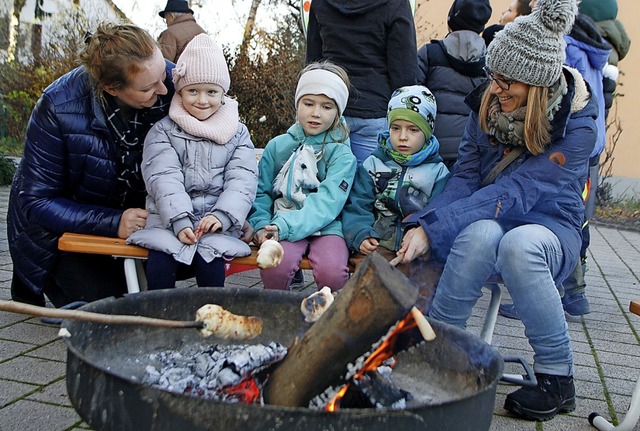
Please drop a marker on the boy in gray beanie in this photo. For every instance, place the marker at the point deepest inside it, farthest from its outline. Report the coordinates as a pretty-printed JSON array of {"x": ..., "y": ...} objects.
[{"x": 200, "y": 170}]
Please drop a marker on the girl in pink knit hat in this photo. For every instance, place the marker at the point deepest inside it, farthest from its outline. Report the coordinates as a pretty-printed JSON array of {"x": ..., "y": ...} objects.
[{"x": 200, "y": 170}]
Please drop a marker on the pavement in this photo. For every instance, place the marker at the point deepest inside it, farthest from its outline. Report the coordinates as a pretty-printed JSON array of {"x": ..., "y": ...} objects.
[{"x": 606, "y": 343}]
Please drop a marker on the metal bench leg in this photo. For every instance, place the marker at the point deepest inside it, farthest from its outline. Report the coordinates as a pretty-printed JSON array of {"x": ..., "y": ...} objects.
[
  {"x": 131, "y": 275},
  {"x": 492, "y": 312},
  {"x": 630, "y": 419}
]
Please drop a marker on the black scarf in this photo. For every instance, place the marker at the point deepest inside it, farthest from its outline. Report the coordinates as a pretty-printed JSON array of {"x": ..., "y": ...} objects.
[{"x": 129, "y": 191}]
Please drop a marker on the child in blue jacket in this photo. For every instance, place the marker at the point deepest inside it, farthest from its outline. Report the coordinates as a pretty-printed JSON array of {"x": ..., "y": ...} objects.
[{"x": 400, "y": 177}]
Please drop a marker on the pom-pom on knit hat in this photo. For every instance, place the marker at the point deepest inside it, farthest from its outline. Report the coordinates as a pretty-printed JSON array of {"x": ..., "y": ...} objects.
[
  {"x": 531, "y": 49},
  {"x": 416, "y": 104},
  {"x": 469, "y": 15},
  {"x": 202, "y": 61}
]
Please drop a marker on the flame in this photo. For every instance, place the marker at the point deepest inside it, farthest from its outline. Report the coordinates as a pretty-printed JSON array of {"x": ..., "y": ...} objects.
[{"x": 385, "y": 351}]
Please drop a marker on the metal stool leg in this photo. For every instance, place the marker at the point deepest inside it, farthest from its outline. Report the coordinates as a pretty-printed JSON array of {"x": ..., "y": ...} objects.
[
  {"x": 131, "y": 275},
  {"x": 492, "y": 312},
  {"x": 630, "y": 420}
]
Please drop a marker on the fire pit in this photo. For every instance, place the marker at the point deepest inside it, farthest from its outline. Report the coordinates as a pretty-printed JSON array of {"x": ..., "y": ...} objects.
[{"x": 453, "y": 378}]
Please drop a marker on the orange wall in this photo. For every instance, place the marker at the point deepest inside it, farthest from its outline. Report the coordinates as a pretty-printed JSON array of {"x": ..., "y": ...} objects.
[{"x": 431, "y": 18}]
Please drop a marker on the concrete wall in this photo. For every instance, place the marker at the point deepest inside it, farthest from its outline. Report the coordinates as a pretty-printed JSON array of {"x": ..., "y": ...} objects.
[{"x": 431, "y": 16}]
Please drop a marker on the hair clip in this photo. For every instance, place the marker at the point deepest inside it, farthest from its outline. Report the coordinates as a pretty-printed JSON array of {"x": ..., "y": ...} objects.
[{"x": 87, "y": 37}]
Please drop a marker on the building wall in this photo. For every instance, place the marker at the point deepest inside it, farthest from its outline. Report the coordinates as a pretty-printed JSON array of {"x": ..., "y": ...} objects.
[{"x": 431, "y": 17}]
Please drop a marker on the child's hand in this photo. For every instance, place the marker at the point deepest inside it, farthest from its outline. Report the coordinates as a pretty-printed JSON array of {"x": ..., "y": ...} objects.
[
  {"x": 186, "y": 236},
  {"x": 207, "y": 224},
  {"x": 268, "y": 232},
  {"x": 369, "y": 245},
  {"x": 246, "y": 233}
]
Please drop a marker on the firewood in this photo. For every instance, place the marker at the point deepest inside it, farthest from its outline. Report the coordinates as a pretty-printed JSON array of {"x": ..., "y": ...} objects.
[{"x": 373, "y": 300}]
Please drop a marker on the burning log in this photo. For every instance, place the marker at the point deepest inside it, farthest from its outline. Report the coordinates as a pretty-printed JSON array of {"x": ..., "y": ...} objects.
[{"x": 374, "y": 299}]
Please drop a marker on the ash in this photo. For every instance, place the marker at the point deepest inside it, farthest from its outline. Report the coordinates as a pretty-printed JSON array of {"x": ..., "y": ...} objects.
[{"x": 205, "y": 371}]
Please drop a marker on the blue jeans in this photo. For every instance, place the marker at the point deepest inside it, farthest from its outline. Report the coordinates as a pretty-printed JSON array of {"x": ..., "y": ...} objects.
[
  {"x": 364, "y": 135},
  {"x": 527, "y": 257}
]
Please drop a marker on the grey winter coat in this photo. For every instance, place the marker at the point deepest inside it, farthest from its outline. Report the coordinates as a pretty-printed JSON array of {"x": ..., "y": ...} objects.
[{"x": 188, "y": 178}]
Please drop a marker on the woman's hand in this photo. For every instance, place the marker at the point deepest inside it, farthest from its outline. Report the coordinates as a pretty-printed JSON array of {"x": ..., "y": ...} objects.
[
  {"x": 268, "y": 232},
  {"x": 207, "y": 224},
  {"x": 369, "y": 245},
  {"x": 186, "y": 236},
  {"x": 414, "y": 243},
  {"x": 132, "y": 219}
]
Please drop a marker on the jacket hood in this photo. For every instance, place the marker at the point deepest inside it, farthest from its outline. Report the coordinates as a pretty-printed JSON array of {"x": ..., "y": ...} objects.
[
  {"x": 356, "y": 7},
  {"x": 585, "y": 35},
  {"x": 466, "y": 51}
]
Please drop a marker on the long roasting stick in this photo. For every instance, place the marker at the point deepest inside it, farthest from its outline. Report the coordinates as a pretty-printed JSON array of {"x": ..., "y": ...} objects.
[
  {"x": 87, "y": 316},
  {"x": 423, "y": 324}
]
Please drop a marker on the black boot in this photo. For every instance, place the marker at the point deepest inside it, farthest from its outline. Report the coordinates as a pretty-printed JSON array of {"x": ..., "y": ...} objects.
[{"x": 552, "y": 395}]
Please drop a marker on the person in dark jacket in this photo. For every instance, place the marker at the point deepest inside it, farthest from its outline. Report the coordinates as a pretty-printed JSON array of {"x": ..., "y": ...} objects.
[
  {"x": 514, "y": 202},
  {"x": 515, "y": 9},
  {"x": 181, "y": 28},
  {"x": 452, "y": 67},
  {"x": 375, "y": 41},
  {"x": 80, "y": 171}
]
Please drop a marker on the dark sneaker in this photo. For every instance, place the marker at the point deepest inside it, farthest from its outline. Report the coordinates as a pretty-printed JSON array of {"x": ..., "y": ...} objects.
[
  {"x": 509, "y": 311},
  {"x": 297, "y": 283},
  {"x": 552, "y": 395},
  {"x": 576, "y": 305}
]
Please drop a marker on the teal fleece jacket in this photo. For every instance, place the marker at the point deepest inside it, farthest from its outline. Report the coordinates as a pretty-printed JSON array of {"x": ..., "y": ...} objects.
[{"x": 321, "y": 209}]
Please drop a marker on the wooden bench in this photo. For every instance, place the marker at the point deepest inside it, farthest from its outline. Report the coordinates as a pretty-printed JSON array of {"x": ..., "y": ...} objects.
[{"x": 133, "y": 256}]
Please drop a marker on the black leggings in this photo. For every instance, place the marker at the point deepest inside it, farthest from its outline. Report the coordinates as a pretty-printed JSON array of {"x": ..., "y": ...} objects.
[{"x": 163, "y": 271}]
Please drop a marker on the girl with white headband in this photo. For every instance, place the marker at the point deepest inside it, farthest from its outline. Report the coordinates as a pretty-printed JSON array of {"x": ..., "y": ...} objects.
[{"x": 305, "y": 176}]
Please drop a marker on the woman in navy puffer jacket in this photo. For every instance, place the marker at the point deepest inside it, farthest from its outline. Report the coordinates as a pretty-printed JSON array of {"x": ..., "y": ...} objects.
[{"x": 80, "y": 171}]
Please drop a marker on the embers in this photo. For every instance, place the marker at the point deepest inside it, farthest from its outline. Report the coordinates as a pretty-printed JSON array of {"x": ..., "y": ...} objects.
[{"x": 221, "y": 373}]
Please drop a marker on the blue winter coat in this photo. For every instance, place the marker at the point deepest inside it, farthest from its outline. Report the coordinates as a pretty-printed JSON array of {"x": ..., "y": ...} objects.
[
  {"x": 588, "y": 52},
  {"x": 545, "y": 189},
  {"x": 66, "y": 177},
  {"x": 384, "y": 192}
]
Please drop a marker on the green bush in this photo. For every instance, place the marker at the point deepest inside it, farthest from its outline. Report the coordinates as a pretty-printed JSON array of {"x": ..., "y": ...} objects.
[
  {"x": 7, "y": 169},
  {"x": 264, "y": 84}
]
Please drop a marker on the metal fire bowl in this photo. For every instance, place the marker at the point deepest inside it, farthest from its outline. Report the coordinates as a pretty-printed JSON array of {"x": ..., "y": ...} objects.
[{"x": 105, "y": 365}]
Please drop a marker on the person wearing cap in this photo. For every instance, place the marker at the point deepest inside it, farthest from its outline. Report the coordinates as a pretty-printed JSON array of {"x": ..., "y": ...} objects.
[
  {"x": 200, "y": 172},
  {"x": 400, "y": 177},
  {"x": 514, "y": 202},
  {"x": 181, "y": 28},
  {"x": 588, "y": 53},
  {"x": 452, "y": 67},
  {"x": 309, "y": 224}
]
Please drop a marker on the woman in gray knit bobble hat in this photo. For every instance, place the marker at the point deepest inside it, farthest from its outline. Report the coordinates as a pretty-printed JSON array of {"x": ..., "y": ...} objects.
[
  {"x": 200, "y": 170},
  {"x": 513, "y": 205}
]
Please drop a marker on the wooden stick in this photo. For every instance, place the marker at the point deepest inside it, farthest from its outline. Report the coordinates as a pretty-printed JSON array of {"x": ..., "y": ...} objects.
[
  {"x": 423, "y": 325},
  {"x": 87, "y": 316}
]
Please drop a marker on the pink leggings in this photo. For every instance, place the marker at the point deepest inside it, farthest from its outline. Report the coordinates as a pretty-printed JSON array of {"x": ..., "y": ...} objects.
[{"x": 328, "y": 256}]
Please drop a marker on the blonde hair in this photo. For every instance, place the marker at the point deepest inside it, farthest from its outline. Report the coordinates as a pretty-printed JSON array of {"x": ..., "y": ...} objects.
[
  {"x": 338, "y": 125},
  {"x": 113, "y": 54},
  {"x": 537, "y": 128}
]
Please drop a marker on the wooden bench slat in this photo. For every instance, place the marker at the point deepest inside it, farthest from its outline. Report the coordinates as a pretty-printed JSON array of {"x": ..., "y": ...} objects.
[
  {"x": 634, "y": 307},
  {"x": 93, "y": 244}
]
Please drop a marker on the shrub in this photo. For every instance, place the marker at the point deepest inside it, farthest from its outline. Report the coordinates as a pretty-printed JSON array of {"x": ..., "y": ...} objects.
[{"x": 7, "y": 169}]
